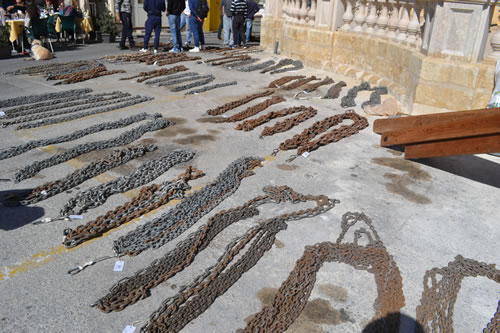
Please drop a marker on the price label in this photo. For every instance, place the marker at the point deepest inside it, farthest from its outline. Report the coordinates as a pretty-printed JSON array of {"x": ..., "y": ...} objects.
[
  {"x": 76, "y": 217},
  {"x": 119, "y": 267},
  {"x": 129, "y": 329},
  {"x": 2, "y": 114},
  {"x": 224, "y": 116},
  {"x": 305, "y": 154}
]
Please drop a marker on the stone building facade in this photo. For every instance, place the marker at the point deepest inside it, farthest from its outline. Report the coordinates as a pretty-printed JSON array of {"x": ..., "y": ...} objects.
[{"x": 432, "y": 55}]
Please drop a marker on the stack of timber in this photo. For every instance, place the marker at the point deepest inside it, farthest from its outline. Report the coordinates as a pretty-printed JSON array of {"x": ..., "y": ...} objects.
[{"x": 443, "y": 134}]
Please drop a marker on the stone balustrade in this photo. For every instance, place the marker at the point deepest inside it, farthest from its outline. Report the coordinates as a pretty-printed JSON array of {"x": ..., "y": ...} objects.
[{"x": 299, "y": 11}]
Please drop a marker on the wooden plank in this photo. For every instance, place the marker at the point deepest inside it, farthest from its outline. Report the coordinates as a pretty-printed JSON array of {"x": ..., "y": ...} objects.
[
  {"x": 464, "y": 146},
  {"x": 393, "y": 124},
  {"x": 481, "y": 124}
]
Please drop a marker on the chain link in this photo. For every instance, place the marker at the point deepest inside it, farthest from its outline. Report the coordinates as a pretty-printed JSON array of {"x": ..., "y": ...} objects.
[
  {"x": 149, "y": 198},
  {"x": 171, "y": 77},
  {"x": 258, "y": 66},
  {"x": 232, "y": 105},
  {"x": 211, "y": 87},
  {"x": 116, "y": 158},
  {"x": 334, "y": 90},
  {"x": 294, "y": 292},
  {"x": 88, "y": 75},
  {"x": 299, "y": 82},
  {"x": 313, "y": 86},
  {"x": 203, "y": 79},
  {"x": 43, "y": 97},
  {"x": 253, "y": 110},
  {"x": 291, "y": 122},
  {"x": 143, "y": 76},
  {"x": 283, "y": 80},
  {"x": 240, "y": 63},
  {"x": 192, "y": 300},
  {"x": 348, "y": 100},
  {"x": 163, "y": 229},
  {"x": 147, "y": 172},
  {"x": 55, "y": 68},
  {"x": 305, "y": 113},
  {"x": 123, "y": 139},
  {"x": 170, "y": 81}
]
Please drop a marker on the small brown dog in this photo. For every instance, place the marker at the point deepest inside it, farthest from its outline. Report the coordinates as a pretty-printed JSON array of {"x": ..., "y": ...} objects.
[{"x": 40, "y": 52}]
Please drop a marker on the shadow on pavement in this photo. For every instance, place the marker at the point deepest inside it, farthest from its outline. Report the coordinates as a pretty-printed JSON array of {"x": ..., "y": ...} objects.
[
  {"x": 394, "y": 323},
  {"x": 12, "y": 214}
]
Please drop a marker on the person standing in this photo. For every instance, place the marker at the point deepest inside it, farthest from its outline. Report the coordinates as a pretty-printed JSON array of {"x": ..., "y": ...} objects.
[
  {"x": 124, "y": 15},
  {"x": 174, "y": 11},
  {"x": 252, "y": 9},
  {"x": 227, "y": 19},
  {"x": 185, "y": 22},
  {"x": 154, "y": 8},
  {"x": 239, "y": 11},
  {"x": 199, "y": 11}
]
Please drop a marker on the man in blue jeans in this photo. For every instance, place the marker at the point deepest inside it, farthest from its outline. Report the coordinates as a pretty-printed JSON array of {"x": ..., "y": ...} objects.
[
  {"x": 252, "y": 9},
  {"x": 154, "y": 8},
  {"x": 174, "y": 11},
  {"x": 196, "y": 21}
]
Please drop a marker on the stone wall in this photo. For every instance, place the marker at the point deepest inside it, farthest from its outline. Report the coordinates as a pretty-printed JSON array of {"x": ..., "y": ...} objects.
[{"x": 421, "y": 83}]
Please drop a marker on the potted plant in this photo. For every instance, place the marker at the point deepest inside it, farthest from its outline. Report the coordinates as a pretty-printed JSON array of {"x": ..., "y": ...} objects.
[
  {"x": 5, "y": 48},
  {"x": 107, "y": 27}
]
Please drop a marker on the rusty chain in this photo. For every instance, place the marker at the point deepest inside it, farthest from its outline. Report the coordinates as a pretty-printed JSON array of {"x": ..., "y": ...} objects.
[
  {"x": 303, "y": 141},
  {"x": 192, "y": 300},
  {"x": 294, "y": 292},
  {"x": 299, "y": 82},
  {"x": 253, "y": 110},
  {"x": 250, "y": 124},
  {"x": 313, "y": 86},
  {"x": 56, "y": 68},
  {"x": 291, "y": 122},
  {"x": 257, "y": 67},
  {"x": 88, "y": 75},
  {"x": 334, "y": 90},
  {"x": 170, "y": 61},
  {"x": 283, "y": 80},
  {"x": 168, "y": 226},
  {"x": 143, "y": 76},
  {"x": 232, "y": 105},
  {"x": 202, "y": 80},
  {"x": 96, "y": 69},
  {"x": 231, "y": 60},
  {"x": 148, "y": 199},
  {"x": 441, "y": 287}
]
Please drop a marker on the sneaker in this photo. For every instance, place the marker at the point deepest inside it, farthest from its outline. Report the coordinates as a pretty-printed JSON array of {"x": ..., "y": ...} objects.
[
  {"x": 195, "y": 49},
  {"x": 233, "y": 47},
  {"x": 143, "y": 50},
  {"x": 123, "y": 47},
  {"x": 187, "y": 44},
  {"x": 174, "y": 50},
  {"x": 182, "y": 50},
  {"x": 155, "y": 51}
]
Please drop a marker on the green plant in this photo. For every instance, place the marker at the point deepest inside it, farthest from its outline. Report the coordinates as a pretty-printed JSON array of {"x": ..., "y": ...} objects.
[
  {"x": 4, "y": 36},
  {"x": 106, "y": 23}
]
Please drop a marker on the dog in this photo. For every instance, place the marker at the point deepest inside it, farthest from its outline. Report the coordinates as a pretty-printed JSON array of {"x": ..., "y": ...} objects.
[{"x": 40, "y": 52}]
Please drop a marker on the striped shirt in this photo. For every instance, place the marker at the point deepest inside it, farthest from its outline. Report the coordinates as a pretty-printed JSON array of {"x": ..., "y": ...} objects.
[
  {"x": 123, "y": 6},
  {"x": 239, "y": 7}
]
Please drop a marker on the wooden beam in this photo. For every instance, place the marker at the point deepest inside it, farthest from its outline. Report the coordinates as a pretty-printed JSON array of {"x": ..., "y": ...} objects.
[
  {"x": 481, "y": 124},
  {"x": 393, "y": 124},
  {"x": 464, "y": 146}
]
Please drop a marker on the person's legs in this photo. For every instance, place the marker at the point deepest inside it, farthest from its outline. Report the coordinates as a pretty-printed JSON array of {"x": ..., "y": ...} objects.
[
  {"x": 178, "y": 30},
  {"x": 193, "y": 22},
  {"x": 131, "y": 41},
  {"x": 219, "y": 33},
  {"x": 189, "y": 32},
  {"x": 157, "y": 31},
  {"x": 126, "y": 19},
  {"x": 242, "y": 40},
  {"x": 173, "y": 31},
  {"x": 147, "y": 33},
  {"x": 248, "y": 35},
  {"x": 235, "y": 30},
  {"x": 228, "y": 30},
  {"x": 124, "y": 29},
  {"x": 183, "y": 21},
  {"x": 200, "y": 32}
]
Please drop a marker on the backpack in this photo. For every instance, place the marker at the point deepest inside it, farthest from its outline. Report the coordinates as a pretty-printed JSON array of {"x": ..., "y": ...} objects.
[{"x": 202, "y": 9}]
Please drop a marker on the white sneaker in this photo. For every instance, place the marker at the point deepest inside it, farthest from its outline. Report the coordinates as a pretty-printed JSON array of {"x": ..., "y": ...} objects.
[
  {"x": 195, "y": 49},
  {"x": 155, "y": 51},
  {"x": 143, "y": 50}
]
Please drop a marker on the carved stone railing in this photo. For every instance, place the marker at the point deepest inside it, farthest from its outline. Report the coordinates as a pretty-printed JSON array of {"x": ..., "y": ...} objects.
[{"x": 299, "y": 11}]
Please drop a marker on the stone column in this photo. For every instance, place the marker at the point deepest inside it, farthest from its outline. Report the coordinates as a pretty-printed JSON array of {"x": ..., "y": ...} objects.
[
  {"x": 383, "y": 18},
  {"x": 348, "y": 16}
]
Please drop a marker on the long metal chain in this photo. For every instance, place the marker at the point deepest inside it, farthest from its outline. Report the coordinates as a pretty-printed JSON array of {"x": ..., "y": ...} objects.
[
  {"x": 313, "y": 86},
  {"x": 42, "y": 97},
  {"x": 334, "y": 90},
  {"x": 231, "y": 60},
  {"x": 348, "y": 100},
  {"x": 294, "y": 292},
  {"x": 132, "y": 289},
  {"x": 88, "y": 75},
  {"x": 240, "y": 63},
  {"x": 143, "y": 76},
  {"x": 149, "y": 198},
  {"x": 192, "y": 300},
  {"x": 253, "y": 110},
  {"x": 116, "y": 158},
  {"x": 171, "y": 81},
  {"x": 250, "y": 124},
  {"x": 283, "y": 80},
  {"x": 171, "y": 77},
  {"x": 76, "y": 106},
  {"x": 123, "y": 139},
  {"x": 280, "y": 64},
  {"x": 72, "y": 116},
  {"x": 441, "y": 287},
  {"x": 211, "y": 87},
  {"x": 226, "y": 57},
  {"x": 95, "y": 69},
  {"x": 123, "y": 122},
  {"x": 182, "y": 58},
  {"x": 303, "y": 141},
  {"x": 289, "y": 123},
  {"x": 168, "y": 226},
  {"x": 203, "y": 79},
  {"x": 299, "y": 82},
  {"x": 296, "y": 65},
  {"x": 148, "y": 171},
  {"x": 258, "y": 66},
  {"x": 54, "y": 68},
  {"x": 232, "y": 105}
]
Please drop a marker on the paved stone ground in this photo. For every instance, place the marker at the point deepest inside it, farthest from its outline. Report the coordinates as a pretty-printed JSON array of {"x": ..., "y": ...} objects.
[{"x": 426, "y": 212}]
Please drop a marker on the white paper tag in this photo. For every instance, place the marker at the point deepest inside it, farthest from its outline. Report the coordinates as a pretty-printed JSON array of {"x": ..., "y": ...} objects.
[
  {"x": 224, "y": 116},
  {"x": 305, "y": 154},
  {"x": 119, "y": 267},
  {"x": 2, "y": 114},
  {"x": 154, "y": 63},
  {"x": 76, "y": 217},
  {"x": 196, "y": 93},
  {"x": 230, "y": 68},
  {"x": 129, "y": 329}
]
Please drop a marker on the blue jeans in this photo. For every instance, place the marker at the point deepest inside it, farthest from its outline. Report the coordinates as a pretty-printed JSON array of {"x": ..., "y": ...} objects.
[
  {"x": 248, "y": 23},
  {"x": 126, "y": 19},
  {"x": 174, "y": 22},
  {"x": 197, "y": 29},
  {"x": 228, "y": 30},
  {"x": 153, "y": 22},
  {"x": 185, "y": 22}
]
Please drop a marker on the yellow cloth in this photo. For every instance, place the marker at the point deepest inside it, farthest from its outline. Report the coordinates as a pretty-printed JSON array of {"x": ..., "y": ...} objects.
[
  {"x": 87, "y": 25},
  {"x": 16, "y": 28},
  {"x": 58, "y": 24}
]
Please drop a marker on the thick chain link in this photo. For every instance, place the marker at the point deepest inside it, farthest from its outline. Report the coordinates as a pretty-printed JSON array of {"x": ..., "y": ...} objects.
[
  {"x": 231, "y": 60},
  {"x": 43, "y": 97},
  {"x": 171, "y": 77},
  {"x": 116, "y": 158},
  {"x": 232, "y": 105},
  {"x": 253, "y": 110},
  {"x": 258, "y": 66},
  {"x": 441, "y": 287},
  {"x": 289, "y": 123},
  {"x": 240, "y": 63},
  {"x": 211, "y": 87},
  {"x": 143, "y": 76},
  {"x": 299, "y": 82},
  {"x": 283, "y": 80},
  {"x": 147, "y": 172},
  {"x": 123, "y": 139},
  {"x": 192, "y": 300},
  {"x": 313, "y": 86},
  {"x": 163, "y": 229},
  {"x": 294, "y": 292},
  {"x": 88, "y": 75},
  {"x": 306, "y": 113},
  {"x": 149, "y": 198},
  {"x": 170, "y": 81},
  {"x": 202, "y": 80},
  {"x": 334, "y": 91}
]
